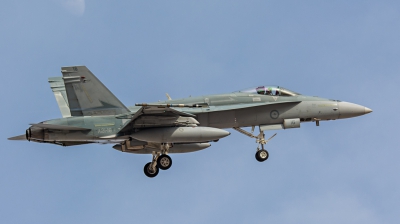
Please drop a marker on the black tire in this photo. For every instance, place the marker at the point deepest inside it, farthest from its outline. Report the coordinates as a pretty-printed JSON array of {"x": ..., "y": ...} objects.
[
  {"x": 148, "y": 172},
  {"x": 262, "y": 155},
  {"x": 164, "y": 162}
]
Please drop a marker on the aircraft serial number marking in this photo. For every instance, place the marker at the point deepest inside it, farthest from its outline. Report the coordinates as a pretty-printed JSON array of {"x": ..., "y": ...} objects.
[{"x": 104, "y": 130}]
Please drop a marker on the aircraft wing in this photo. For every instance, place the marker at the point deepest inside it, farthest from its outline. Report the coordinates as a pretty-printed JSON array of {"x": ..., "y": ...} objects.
[
  {"x": 156, "y": 115},
  {"x": 59, "y": 127}
]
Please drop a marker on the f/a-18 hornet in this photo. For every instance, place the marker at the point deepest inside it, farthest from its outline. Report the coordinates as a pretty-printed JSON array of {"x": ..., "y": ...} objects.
[{"x": 92, "y": 114}]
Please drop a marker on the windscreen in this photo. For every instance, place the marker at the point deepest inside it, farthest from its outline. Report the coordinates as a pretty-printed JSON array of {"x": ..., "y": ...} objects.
[{"x": 270, "y": 90}]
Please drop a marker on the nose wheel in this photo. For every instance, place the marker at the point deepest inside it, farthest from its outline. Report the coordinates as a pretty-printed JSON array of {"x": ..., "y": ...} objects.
[{"x": 262, "y": 155}]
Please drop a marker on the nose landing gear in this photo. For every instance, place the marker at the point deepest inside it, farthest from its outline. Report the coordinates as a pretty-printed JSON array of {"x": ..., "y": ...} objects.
[{"x": 261, "y": 154}]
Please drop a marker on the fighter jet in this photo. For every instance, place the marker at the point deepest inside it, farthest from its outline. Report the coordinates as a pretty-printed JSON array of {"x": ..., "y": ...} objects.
[{"x": 92, "y": 114}]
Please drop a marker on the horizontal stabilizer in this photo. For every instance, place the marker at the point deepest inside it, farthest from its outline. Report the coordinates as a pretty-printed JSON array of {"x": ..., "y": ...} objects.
[
  {"x": 60, "y": 127},
  {"x": 19, "y": 137}
]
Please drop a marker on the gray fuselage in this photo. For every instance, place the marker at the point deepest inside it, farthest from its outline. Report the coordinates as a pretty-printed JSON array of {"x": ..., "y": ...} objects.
[{"x": 224, "y": 111}]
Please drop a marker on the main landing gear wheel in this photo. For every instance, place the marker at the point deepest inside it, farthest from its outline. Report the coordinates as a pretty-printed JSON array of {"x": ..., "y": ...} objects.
[
  {"x": 150, "y": 171},
  {"x": 164, "y": 162},
  {"x": 262, "y": 155}
]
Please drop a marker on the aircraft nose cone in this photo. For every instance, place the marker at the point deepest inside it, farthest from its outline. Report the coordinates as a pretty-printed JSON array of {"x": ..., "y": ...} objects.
[
  {"x": 367, "y": 110},
  {"x": 347, "y": 110}
]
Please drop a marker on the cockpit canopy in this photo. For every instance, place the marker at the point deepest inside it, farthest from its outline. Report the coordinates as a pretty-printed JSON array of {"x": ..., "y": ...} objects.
[{"x": 270, "y": 90}]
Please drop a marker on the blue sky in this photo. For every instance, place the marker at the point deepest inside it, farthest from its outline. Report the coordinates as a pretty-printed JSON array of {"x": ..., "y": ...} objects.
[{"x": 344, "y": 171}]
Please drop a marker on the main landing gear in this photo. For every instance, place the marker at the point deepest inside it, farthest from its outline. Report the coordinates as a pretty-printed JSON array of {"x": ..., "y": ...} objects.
[
  {"x": 160, "y": 161},
  {"x": 261, "y": 154}
]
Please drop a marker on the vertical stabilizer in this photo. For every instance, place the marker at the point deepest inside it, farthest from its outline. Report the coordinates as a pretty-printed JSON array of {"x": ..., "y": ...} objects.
[
  {"x": 57, "y": 85},
  {"x": 87, "y": 96}
]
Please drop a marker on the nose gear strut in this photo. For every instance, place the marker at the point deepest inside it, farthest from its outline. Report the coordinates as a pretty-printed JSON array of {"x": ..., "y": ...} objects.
[{"x": 261, "y": 154}]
